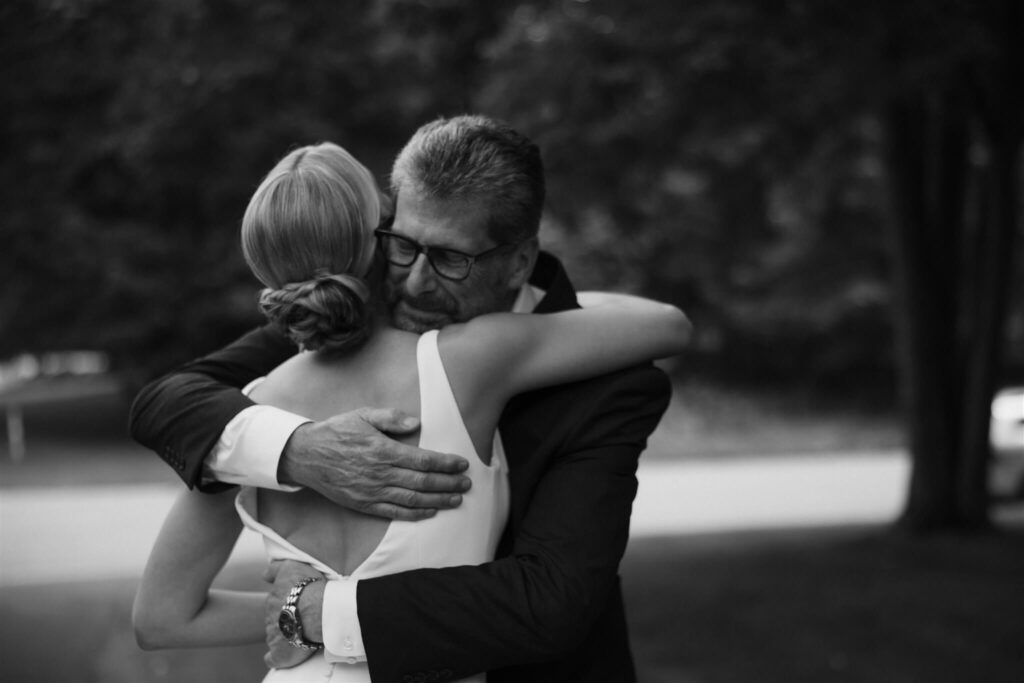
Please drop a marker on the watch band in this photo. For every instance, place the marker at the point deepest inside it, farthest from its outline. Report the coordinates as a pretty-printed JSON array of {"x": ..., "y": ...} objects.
[{"x": 289, "y": 622}]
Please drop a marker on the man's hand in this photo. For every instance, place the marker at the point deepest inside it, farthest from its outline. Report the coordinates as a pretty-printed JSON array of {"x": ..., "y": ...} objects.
[
  {"x": 350, "y": 459},
  {"x": 284, "y": 574}
]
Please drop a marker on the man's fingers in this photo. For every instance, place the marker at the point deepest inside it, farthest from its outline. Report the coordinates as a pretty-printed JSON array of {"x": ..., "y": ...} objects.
[
  {"x": 400, "y": 513},
  {"x": 390, "y": 420},
  {"x": 412, "y": 458},
  {"x": 289, "y": 571},
  {"x": 270, "y": 573},
  {"x": 423, "y": 482},
  {"x": 399, "y": 503},
  {"x": 413, "y": 499}
]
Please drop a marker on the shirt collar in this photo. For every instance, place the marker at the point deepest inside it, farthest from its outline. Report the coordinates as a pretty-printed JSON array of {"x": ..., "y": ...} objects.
[{"x": 527, "y": 299}]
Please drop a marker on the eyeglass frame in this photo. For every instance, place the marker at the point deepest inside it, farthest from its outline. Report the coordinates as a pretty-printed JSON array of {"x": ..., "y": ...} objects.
[{"x": 427, "y": 249}]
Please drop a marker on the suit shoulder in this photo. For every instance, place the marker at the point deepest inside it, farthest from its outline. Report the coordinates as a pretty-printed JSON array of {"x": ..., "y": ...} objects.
[
  {"x": 638, "y": 389},
  {"x": 645, "y": 378}
]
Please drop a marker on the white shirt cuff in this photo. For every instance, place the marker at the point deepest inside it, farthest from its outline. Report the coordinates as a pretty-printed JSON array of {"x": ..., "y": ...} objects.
[
  {"x": 249, "y": 448},
  {"x": 343, "y": 638}
]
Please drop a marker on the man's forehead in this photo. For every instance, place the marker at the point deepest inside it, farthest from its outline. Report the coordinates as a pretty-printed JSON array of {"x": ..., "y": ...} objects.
[{"x": 457, "y": 223}]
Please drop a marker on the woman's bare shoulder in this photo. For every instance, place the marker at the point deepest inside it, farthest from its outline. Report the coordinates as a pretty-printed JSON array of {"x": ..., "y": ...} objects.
[{"x": 284, "y": 381}]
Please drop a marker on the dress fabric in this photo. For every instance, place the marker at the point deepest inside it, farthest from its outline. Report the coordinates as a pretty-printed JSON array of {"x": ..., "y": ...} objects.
[{"x": 468, "y": 534}]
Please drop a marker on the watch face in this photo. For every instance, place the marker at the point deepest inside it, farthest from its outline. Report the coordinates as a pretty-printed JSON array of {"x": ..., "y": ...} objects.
[{"x": 288, "y": 624}]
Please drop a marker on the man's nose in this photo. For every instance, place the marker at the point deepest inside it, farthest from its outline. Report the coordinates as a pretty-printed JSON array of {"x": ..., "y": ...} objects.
[{"x": 421, "y": 278}]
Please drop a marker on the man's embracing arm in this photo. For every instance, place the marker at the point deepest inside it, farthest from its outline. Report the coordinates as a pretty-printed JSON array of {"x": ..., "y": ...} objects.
[
  {"x": 348, "y": 458},
  {"x": 542, "y": 601},
  {"x": 182, "y": 414}
]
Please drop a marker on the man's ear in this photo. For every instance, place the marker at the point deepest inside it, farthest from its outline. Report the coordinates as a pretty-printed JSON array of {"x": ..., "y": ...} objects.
[{"x": 523, "y": 261}]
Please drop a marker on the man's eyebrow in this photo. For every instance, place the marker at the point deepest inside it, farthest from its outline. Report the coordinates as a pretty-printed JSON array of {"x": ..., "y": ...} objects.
[{"x": 446, "y": 247}]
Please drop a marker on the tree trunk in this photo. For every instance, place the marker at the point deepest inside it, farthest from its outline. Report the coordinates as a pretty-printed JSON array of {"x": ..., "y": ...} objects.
[
  {"x": 953, "y": 272},
  {"x": 1001, "y": 108},
  {"x": 924, "y": 146},
  {"x": 983, "y": 352}
]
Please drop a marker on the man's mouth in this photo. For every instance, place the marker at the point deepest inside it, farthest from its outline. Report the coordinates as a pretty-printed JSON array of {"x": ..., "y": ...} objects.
[
  {"x": 433, "y": 315},
  {"x": 424, "y": 307}
]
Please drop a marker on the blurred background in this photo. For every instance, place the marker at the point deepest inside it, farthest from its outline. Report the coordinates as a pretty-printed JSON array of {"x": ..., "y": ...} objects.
[{"x": 831, "y": 190}]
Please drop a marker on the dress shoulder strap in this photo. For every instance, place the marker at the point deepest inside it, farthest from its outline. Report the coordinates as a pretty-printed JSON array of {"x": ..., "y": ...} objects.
[{"x": 439, "y": 412}]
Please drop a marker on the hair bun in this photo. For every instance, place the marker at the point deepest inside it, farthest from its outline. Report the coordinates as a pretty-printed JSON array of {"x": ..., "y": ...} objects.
[{"x": 328, "y": 313}]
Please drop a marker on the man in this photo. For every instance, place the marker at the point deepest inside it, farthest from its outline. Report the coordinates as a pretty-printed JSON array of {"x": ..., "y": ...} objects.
[{"x": 549, "y": 608}]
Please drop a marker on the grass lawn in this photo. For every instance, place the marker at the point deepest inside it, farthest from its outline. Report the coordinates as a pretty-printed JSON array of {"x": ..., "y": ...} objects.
[
  {"x": 706, "y": 421},
  {"x": 833, "y": 605}
]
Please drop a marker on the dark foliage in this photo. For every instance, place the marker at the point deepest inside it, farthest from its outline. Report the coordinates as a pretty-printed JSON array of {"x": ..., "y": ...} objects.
[{"x": 722, "y": 155}]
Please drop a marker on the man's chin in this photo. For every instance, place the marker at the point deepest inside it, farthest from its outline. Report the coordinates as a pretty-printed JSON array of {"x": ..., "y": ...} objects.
[{"x": 410, "y": 319}]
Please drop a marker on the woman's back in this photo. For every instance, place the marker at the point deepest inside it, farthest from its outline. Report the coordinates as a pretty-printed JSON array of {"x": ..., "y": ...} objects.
[
  {"x": 319, "y": 385},
  {"x": 394, "y": 369}
]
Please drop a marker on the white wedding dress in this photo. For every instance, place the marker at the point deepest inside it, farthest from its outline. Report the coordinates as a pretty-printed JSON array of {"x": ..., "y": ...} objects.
[{"x": 466, "y": 535}]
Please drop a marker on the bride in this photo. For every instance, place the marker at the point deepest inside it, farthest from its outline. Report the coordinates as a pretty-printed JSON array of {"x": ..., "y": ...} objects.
[{"x": 309, "y": 234}]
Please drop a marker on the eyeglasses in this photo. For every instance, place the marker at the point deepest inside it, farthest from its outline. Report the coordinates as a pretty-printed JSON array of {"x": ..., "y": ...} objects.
[{"x": 451, "y": 264}]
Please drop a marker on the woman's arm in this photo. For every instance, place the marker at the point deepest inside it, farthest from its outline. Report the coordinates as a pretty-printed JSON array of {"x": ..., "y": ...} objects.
[
  {"x": 591, "y": 299},
  {"x": 175, "y": 606},
  {"x": 513, "y": 353}
]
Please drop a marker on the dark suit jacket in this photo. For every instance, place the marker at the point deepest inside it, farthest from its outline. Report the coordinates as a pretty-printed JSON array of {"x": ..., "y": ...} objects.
[{"x": 549, "y": 608}]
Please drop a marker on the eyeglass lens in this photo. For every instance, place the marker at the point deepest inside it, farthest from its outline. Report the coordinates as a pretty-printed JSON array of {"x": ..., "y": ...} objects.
[{"x": 402, "y": 251}]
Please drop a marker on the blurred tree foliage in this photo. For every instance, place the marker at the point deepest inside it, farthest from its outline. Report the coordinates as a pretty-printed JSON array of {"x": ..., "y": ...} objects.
[
  {"x": 135, "y": 134},
  {"x": 703, "y": 152},
  {"x": 722, "y": 154}
]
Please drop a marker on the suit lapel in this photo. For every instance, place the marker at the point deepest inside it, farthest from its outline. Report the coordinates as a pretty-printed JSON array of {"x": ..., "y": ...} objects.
[
  {"x": 522, "y": 433},
  {"x": 550, "y": 276}
]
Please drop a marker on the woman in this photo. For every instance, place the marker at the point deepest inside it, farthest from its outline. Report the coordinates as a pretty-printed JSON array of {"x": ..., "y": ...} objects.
[{"x": 308, "y": 236}]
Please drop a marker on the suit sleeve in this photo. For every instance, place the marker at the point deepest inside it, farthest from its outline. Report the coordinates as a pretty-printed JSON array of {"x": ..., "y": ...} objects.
[
  {"x": 181, "y": 415},
  {"x": 541, "y": 601}
]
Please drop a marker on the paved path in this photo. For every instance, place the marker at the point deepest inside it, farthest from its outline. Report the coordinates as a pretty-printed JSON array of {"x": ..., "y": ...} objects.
[
  {"x": 770, "y": 493},
  {"x": 50, "y": 535}
]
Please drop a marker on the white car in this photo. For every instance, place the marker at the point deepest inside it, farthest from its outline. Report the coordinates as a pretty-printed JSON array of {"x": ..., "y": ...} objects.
[{"x": 1006, "y": 434}]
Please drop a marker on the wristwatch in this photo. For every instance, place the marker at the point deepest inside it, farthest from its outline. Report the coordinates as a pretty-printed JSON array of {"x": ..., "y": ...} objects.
[{"x": 289, "y": 622}]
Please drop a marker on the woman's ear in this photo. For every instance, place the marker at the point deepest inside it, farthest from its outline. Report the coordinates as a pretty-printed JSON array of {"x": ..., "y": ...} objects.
[{"x": 523, "y": 261}]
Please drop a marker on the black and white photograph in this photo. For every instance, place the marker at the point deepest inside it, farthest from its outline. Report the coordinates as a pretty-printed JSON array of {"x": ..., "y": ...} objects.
[{"x": 579, "y": 341}]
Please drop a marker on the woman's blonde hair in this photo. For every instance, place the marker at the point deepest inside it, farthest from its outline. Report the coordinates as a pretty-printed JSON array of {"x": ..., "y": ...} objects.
[{"x": 307, "y": 234}]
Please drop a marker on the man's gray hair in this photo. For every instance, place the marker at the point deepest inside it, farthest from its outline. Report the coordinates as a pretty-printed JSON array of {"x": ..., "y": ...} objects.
[{"x": 476, "y": 158}]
